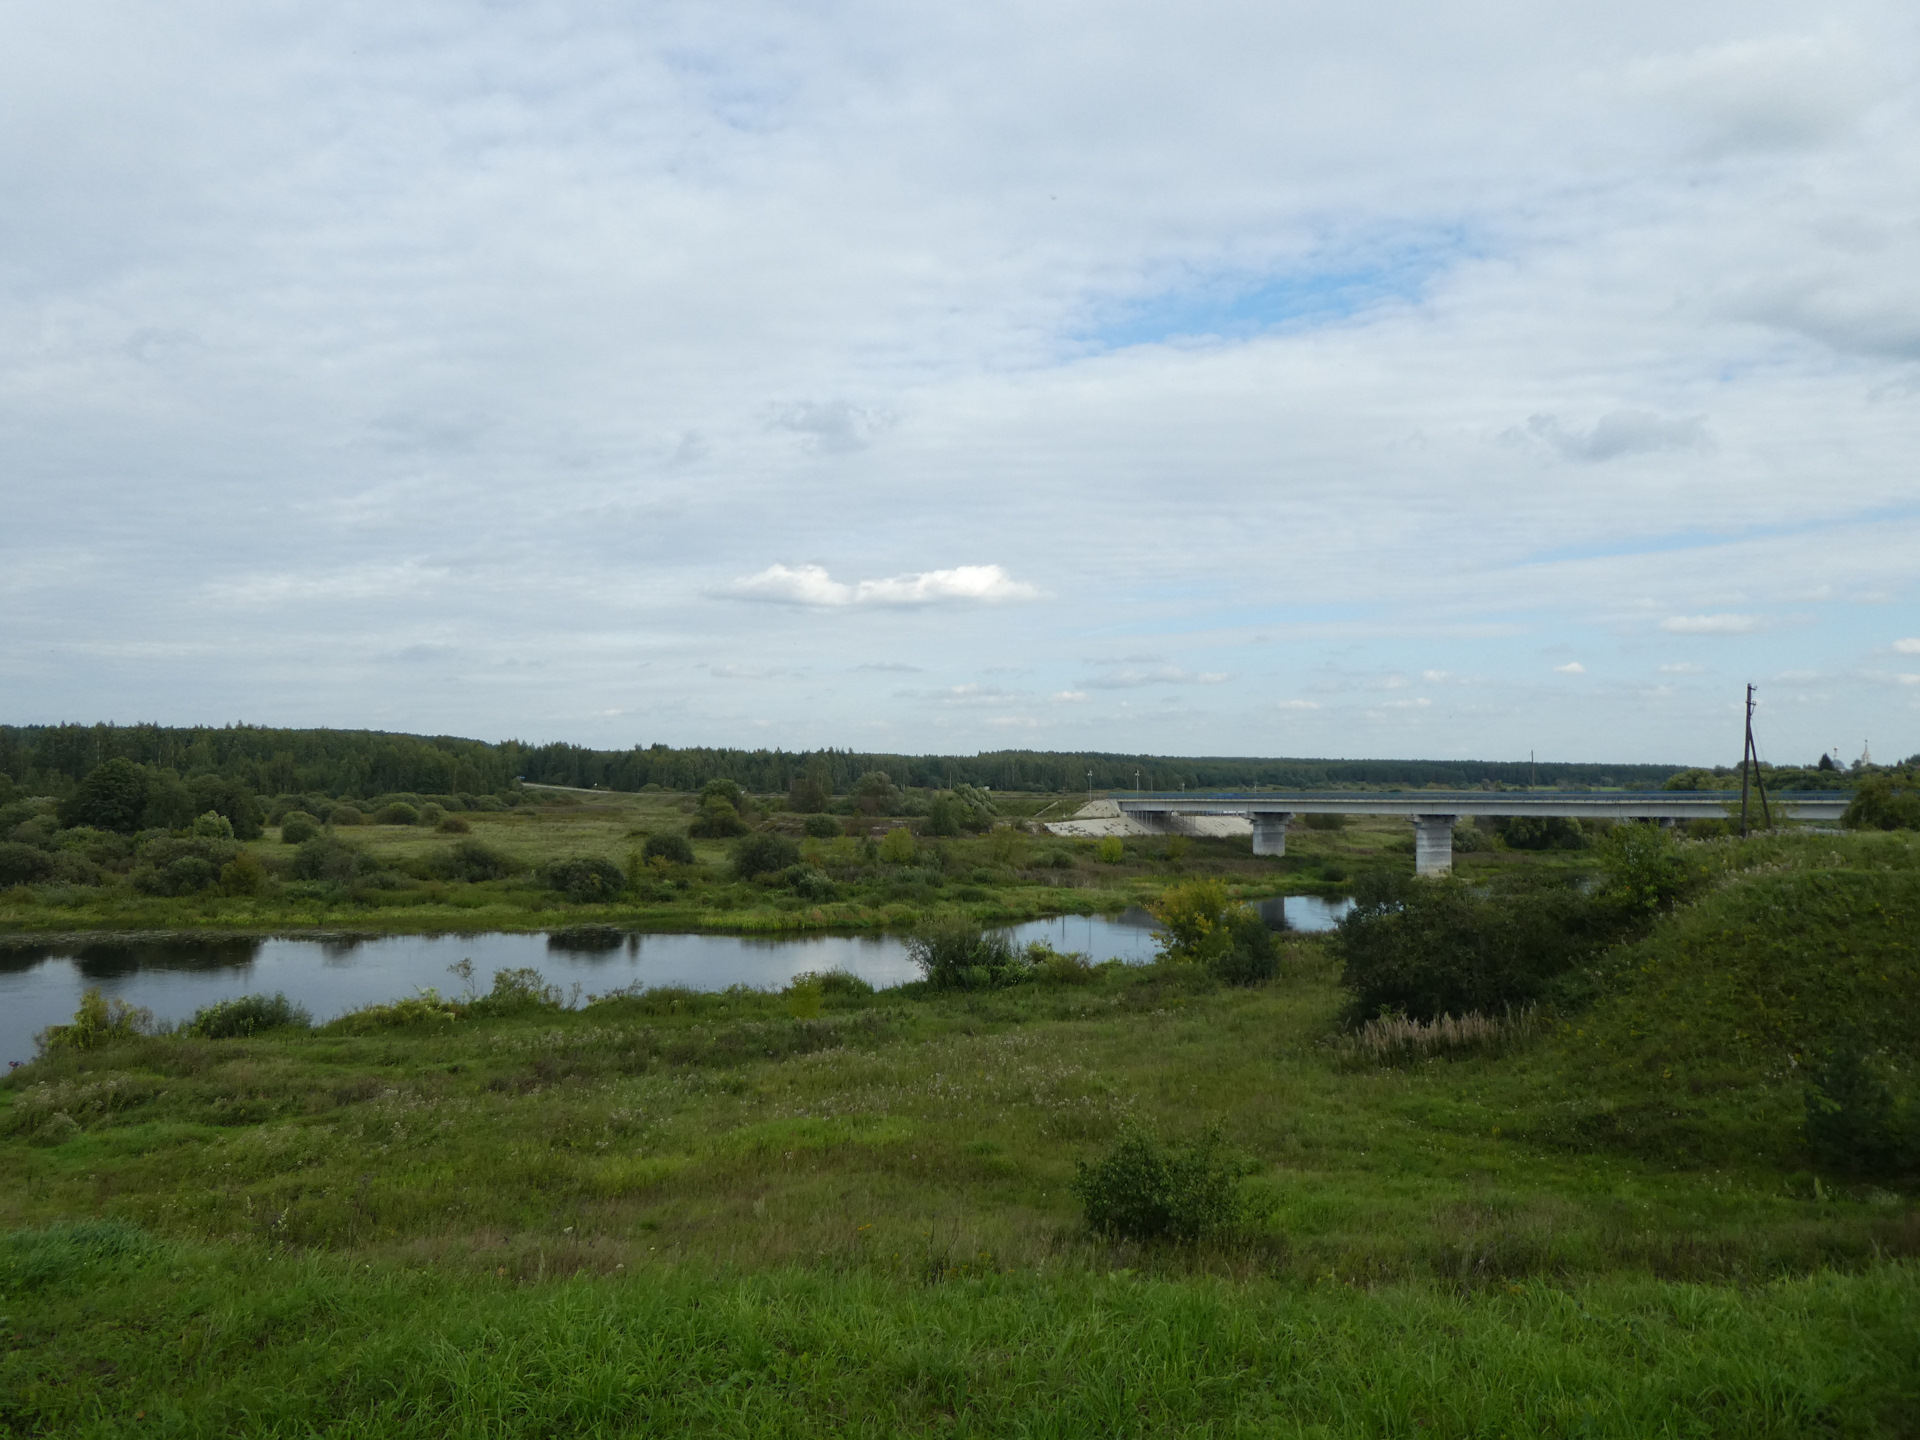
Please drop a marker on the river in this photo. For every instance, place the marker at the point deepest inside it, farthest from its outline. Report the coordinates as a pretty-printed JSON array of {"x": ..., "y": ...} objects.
[{"x": 41, "y": 984}]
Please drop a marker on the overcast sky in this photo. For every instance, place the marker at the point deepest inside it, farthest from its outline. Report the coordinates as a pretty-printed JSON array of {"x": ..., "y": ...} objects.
[{"x": 1280, "y": 378}]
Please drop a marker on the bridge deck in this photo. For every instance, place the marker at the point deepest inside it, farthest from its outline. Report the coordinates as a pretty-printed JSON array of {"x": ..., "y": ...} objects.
[{"x": 1563, "y": 804}]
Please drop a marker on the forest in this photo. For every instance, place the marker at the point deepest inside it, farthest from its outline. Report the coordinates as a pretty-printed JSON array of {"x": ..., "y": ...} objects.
[{"x": 51, "y": 759}]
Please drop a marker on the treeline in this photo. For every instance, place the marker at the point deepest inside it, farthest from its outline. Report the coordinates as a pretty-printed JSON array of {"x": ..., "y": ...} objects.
[
  {"x": 53, "y": 759},
  {"x": 767, "y": 771}
]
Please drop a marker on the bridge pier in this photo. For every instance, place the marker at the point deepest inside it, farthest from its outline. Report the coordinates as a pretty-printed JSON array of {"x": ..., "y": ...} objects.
[
  {"x": 1270, "y": 831},
  {"x": 1433, "y": 844}
]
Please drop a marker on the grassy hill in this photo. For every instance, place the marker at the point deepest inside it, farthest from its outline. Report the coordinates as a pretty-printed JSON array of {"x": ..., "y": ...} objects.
[{"x": 710, "y": 1214}]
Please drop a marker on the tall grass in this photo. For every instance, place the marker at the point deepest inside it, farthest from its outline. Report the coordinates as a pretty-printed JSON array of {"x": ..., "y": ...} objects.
[{"x": 1397, "y": 1039}]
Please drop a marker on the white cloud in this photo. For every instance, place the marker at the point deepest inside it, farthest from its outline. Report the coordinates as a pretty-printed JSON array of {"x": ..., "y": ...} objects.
[
  {"x": 1069, "y": 697},
  {"x": 1726, "y": 624},
  {"x": 1683, "y": 667},
  {"x": 1298, "y": 705},
  {"x": 1620, "y": 432},
  {"x": 1907, "y": 647},
  {"x": 1131, "y": 677},
  {"x": 1572, "y": 667},
  {"x": 812, "y": 585}
]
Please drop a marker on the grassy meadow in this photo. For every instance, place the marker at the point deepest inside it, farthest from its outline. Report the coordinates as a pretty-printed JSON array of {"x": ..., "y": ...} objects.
[
  {"x": 1004, "y": 876},
  {"x": 836, "y": 1212}
]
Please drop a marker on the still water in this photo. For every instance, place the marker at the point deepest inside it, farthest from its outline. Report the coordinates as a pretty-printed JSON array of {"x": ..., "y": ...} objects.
[{"x": 40, "y": 985}]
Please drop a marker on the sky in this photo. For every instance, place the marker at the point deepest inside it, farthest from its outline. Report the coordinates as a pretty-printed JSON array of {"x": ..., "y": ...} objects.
[{"x": 1466, "y": 379}]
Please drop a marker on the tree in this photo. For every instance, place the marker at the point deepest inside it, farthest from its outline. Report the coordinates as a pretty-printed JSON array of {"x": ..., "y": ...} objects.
[
  {"x": 808, "y": 794},
  {"x": 112, "y": 797},
  {"x": 874, "y": 793}
]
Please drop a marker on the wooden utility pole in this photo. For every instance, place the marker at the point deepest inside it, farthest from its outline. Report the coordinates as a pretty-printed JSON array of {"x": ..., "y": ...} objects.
[{"x": 1750, "y": 752}]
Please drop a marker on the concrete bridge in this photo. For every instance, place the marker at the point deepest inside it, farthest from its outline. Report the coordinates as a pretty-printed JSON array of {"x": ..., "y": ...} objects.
[{"x": 1435, "y": 812}]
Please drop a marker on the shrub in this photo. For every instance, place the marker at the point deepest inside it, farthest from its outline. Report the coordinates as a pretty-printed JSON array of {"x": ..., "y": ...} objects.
[
  {"x": 431, "y": 815},
  {"x": 1430, "y": 948},
  {"x": 1877, "y": 805},
  {"x": 845, "y": 984},
  {"x": 673, "y": 849},
  {"x": 809, "y": 883},
  {"x": 247, "y": 1015},
  {"x": 717, "y": 820},
  {"x": 1642, "y": 865},
  {"x": 243, "y": 875},
  {"x": 345, "y": 815},
  {"x": 1324, "y": 822},
  {"x": 426, "y": 1009},
  {"x": 823, "y": 827},
  {"x": 326, "y": 858},
  {"x": 805, "y": 996},
  {"x": 184, "y": 875},
  {"x": 297, "y": 827},
  {"x": 453, "y": 825},
  {"x": 472, "y": 861},
  {"x": 1194, "y": 921},
  {"x": 957, "y": 955},
  {"x": 1541, "y": 832},
  {"x": 99, "y": 1021},
  {"x": 23, "y": 864},
  {"x": 944, "y": 816},
  {"x": 1111, "y": 850},
  {"x": 586, "y": 879},
  {"x": 725, "y": 790},
  {"x": 1251, "y": 956},
  {"x": 213, "y": 826},
  {"x": 1049, "y": 966},
  {"x": 1142, "y": 1189},
  {"x": 764, "y": 853},
  {"x": 874, "y": 793},
  {"x": 517, "y": 992},
  {"x": 397, "y": 813},
  {"x": 1855, "y": 1123},
  {"x": 897, "y": 846}
]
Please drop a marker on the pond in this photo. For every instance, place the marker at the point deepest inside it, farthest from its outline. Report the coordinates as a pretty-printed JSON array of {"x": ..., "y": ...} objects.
[{"x": 40, "y": 984}]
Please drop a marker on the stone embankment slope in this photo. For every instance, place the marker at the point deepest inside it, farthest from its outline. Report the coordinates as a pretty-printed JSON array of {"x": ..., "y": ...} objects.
[{"x": 1099, "y": 818}]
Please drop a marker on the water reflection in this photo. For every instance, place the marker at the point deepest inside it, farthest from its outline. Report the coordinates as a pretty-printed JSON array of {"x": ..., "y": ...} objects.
[{"x": 40, "y": 982}]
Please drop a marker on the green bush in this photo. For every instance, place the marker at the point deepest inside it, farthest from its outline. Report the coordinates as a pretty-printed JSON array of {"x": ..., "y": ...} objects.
[
  {"x": 717, "y": 820},
  {"x": 897, "y": 846},
  {"x": 957, "y": 955},
  {"x": 297, "y": 827},
  {"x": 247, "y": 1015},
  {"x": 518, "y": 992},
  {"x": 1251, "y": 956},
  {"x": 586, "y": 878},
  {"x": 326, "y": 858},
  {"x": 673, "y": 849},
  {"x": 764, "y": 853},
  {"x": 23, "y": 864},
  {"x": 1428, "y": 948},
  {"x": 843, "y": 983},
  {"x": 1324, "y": 822},
  {"x": 1878, "y": 805},
  {"x": 1540, "y": 832},
  {"x": 213, "y": 826},
  {"x": 1142, "y": 1189},
  {"x": 243, "y": 875},
  {"x": 472, "y": 861},
  {"x": 452, "y": 825},
  {"x": 113, "y": 796},
  {"x": 99, "y": 1021},
  {"x": 1049, "y": 966},
  {"x": 1111, "y": 850},
  {"x": 424, "y": 1010},
  {"x": 1856, "y": 1122},
  {"x": 824, "y": 827},
  {"x": 431, "y": 815},
  {"x": 184, "y": 875},
  {"x": 809, "y": 883},
  {"x": 345, "y": 815},
  {"x": 397, "y": 813}
]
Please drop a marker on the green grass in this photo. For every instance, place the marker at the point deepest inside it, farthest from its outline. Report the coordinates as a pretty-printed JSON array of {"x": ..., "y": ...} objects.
[
  {"x": 959, "y": 875},
  {"x": 684, "y": 1213},
  {"x": 128, "y": 1336}
]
